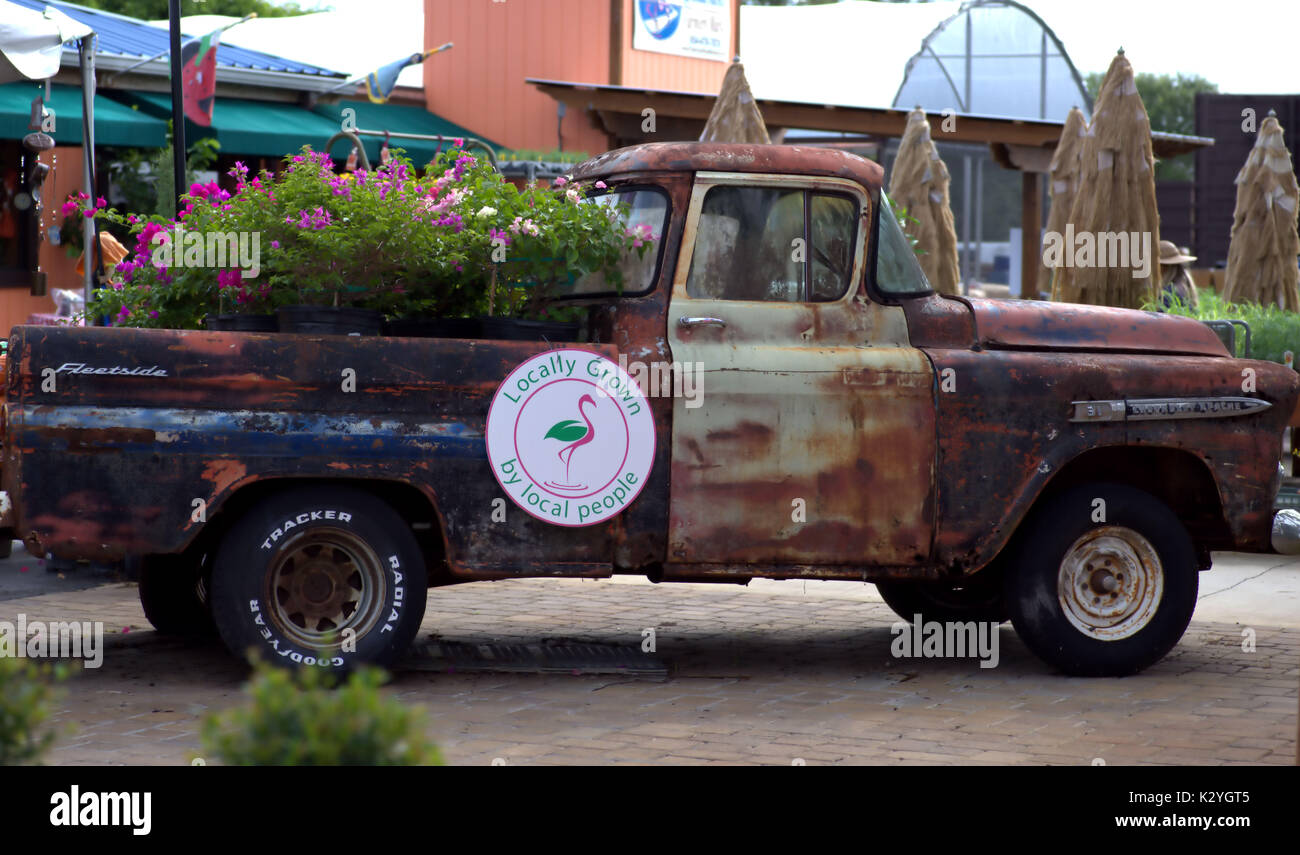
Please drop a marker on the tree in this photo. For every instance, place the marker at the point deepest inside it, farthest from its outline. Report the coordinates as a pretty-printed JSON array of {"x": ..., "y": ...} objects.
[
  {"x": 153, "y": 10},
  {"x": 1171, "y": 105}
]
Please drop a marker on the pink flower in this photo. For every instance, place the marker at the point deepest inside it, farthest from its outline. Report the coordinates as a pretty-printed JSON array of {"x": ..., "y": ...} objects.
[
  {"x": 561, "y": 181},
  {"x": 601, "y": 185},
  {"x": 459, "y": 142}
]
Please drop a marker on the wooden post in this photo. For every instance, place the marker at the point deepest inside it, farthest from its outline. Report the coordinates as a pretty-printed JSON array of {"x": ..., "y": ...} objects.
[
  {"x": 1031, "y": 236},
  {"x": 735, "y": 28},
  {"x": 618, "y": 28}
]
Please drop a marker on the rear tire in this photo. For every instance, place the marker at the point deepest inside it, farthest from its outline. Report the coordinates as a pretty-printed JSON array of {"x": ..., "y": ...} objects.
[
  {"x": 174, "y": 597},
  {"x": 1104, "y": 581},
  {"x": 329, "y": 577}
]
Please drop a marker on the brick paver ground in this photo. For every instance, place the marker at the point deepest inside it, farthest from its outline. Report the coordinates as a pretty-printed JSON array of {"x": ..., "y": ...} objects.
[{"x": 766, "y": 675}]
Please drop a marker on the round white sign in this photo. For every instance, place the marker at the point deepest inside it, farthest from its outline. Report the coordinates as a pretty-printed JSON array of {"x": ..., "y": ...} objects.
[{"x": 570, "y": 437}]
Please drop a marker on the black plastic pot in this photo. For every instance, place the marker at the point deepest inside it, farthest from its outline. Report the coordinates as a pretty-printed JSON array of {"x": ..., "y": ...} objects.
[
  {"x": 330, "y": 320},
  {"x": 241, "y": 323},
  {"x": 435, "y": 327},
  {"x": 516, "y": 329}
]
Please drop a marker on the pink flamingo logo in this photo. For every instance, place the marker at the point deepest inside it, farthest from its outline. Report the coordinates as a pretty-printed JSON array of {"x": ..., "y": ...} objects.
[{"x": 576, "y": 435}]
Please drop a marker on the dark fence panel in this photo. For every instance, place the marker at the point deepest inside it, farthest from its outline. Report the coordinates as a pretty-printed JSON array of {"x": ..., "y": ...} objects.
[{"x": 1223, "y": 117}]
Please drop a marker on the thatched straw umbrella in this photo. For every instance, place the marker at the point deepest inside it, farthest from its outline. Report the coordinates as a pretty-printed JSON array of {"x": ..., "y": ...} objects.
[
  {"x": 1117, "y": 196},
  {"x": 1262, "y": 255},
  {"x": 1065, "y": 183},
  {"x": 919, "y": 183},
  {"x": 735, "y": 117}
]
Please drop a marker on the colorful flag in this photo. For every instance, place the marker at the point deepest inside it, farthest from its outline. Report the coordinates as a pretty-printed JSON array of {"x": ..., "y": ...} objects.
[
  {"x": 199, "y": 77},
  {"x": 380, "y": 82}
]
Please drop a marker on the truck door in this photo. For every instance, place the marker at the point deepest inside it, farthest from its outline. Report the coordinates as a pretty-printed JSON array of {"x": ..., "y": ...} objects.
[{"x": 812, "y": 439}]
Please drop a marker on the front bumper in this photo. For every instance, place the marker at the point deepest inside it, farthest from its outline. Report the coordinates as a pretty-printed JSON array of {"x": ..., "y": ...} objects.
[{"x": 1286, "y": 532}]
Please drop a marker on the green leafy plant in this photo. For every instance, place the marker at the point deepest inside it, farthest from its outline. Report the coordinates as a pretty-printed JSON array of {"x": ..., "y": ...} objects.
[
  {"x": 27, "y": 696},
  {"x": 905, "y": 221},
  {"x": 1273, "y": 331},
  {"x": 304, "y": 719}
]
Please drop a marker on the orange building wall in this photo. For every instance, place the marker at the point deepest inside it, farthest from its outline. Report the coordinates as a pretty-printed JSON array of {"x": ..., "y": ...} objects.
[
  {"x": 480, "y": 82},
  {"x": 16, "y": 304}
]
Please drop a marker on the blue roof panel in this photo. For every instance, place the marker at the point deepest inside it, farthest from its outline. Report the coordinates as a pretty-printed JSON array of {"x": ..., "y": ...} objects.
[{"x": 131, "y": 37}]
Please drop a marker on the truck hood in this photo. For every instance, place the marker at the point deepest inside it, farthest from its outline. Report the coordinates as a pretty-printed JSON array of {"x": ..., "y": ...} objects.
[{"x": 1035, "y": 325}]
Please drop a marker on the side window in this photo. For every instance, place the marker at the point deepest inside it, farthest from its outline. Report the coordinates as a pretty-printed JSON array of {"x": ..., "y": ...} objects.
[{"x": 773, "y": 245}]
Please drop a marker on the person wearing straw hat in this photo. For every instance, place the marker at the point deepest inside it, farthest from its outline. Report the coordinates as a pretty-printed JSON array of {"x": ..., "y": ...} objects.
[{"x": 1175, "y": 282}]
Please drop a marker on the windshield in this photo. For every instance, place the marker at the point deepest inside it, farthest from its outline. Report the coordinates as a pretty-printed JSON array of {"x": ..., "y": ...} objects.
[
  {"x": 897, "y": 270},
  {"x": 643, "y": 209}
]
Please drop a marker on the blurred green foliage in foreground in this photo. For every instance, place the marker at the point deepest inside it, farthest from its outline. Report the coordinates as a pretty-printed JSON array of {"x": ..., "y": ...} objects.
[
  {"x": 305, "y": 718},
  {"x": 26, "y": 699}
]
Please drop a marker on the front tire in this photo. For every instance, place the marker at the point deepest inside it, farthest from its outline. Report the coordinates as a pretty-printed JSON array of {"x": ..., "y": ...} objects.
[
  {"x": 327, "y": 576},
  {"x": 1104, "y": 582}
]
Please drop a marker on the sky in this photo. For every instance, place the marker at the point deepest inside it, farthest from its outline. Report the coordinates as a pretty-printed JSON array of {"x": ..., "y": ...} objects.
[{"x": 1244, "y": 46}]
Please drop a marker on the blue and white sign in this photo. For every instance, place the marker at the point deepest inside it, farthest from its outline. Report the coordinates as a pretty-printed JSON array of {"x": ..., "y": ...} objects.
[{"x": 695, "y": 28}]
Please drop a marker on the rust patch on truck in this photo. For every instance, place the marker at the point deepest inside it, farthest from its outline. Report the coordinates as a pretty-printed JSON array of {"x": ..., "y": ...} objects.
[{"x": 224, "y": 474}]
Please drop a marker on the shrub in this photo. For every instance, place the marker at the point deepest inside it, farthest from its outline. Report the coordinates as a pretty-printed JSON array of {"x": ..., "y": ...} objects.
[
  {"x": 303, "y": 719},
  {"x": 26, "y": 697},
  {"x": 1272, "y": 330}
]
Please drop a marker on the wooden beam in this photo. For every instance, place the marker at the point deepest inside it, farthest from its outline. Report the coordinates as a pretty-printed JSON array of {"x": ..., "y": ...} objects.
[
  {"x": 827, "y": 117},
  {"x": 1031, "y": 235}
]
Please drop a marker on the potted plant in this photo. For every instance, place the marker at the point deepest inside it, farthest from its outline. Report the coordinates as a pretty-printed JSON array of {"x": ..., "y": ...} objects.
[{"x": 315, "y": 251}]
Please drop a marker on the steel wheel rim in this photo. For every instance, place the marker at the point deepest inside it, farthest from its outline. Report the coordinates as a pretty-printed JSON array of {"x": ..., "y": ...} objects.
[
  {"x": 323, "y": 582},
  {"x": 1110, "y": 583}
]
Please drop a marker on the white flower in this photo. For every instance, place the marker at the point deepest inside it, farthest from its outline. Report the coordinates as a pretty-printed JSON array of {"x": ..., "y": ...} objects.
[{"x": 486, "y": 211}]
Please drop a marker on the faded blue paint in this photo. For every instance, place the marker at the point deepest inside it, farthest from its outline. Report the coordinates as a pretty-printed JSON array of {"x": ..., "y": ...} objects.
[{"x": 218, "y": 433}]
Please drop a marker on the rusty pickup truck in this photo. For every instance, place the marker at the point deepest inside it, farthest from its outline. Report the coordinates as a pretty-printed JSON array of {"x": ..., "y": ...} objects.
[{"x": 1068, "y": 468}]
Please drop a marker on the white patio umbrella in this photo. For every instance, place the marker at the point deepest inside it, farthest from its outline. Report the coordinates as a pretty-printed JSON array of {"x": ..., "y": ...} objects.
[{"x": 31, "y": 42}]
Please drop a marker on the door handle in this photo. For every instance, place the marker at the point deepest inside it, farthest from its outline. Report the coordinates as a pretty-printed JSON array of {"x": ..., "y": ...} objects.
[{"x": 700, "y": 322}]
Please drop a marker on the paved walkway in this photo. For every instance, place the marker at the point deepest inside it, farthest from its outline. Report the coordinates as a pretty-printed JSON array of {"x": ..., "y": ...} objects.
[{"x": 775, "y": 673}]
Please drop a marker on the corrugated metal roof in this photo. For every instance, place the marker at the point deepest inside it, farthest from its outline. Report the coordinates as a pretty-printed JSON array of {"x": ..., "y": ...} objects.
[{"x": 131, "y": 37}]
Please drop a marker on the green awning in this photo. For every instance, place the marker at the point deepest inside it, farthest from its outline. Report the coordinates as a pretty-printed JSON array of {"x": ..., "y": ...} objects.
[
  {"x": 115, "y": 124},
  {"x": 396, "y": 118},
  {"x": 246, "y": 127}
]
